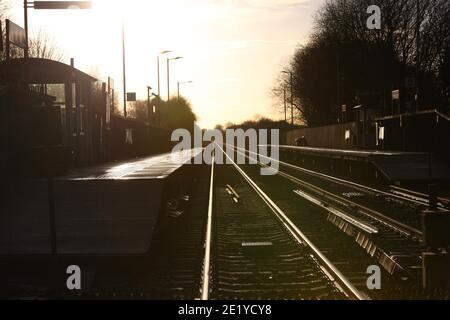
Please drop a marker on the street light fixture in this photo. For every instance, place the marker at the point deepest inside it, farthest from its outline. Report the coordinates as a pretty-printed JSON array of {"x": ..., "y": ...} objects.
[
  {"x": 168, "y": 78},
  {"x": 124, "y": 70},
  {"x": 292, "y": 94},
  {"x": 158, "y": 65},
  {"x": 178, "y": 85}
]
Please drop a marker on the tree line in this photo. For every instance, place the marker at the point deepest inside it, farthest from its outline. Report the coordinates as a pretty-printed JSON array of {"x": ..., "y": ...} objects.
[
  {"x": 177, "y": 114},
  {"x": 344, "y": 60}
]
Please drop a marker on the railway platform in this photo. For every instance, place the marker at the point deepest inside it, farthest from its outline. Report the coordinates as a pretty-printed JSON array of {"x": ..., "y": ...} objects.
[
  {"x": 104, "y": 210},
  {"x": 392, "y": 167}
]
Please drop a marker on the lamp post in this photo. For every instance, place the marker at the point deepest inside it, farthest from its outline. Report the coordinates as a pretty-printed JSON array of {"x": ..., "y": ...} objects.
[
  {"x": 158, "y": 66},
  {"x": 157, "y": 108},
  {"x": 149, "y": 90},
  {"x": 292, "y": 94},
  {"x": 418, "y": 62},
  {"x": 285, "y": 105},
  {"x": 168, "y": 78},
  {"x": 178, "y": 87},
  {"x": 124, "y": 70},
  {"x": 25, "y": 18}
]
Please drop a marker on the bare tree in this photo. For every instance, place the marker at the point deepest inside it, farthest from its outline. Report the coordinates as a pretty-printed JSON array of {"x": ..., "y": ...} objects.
[
  {"x": 5, "y": 8},
  {"x": 343, "y": 58},
  {"x": 43, "y": 45}
]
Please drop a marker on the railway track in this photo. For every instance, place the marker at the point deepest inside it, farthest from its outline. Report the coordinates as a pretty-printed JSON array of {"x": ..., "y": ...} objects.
[
  {"x": 398, "y": 211},
  {"x": 264, "y": 238},
  {"x": 394, "y": 245},
  {"x": 254, "y": 251},
  {"x": 394, "y": 193},
  {"x": 419, "y": 197}
]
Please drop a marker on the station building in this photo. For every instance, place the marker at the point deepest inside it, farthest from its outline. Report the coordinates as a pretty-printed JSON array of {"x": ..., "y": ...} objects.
[{"x": 54, "y": 116}]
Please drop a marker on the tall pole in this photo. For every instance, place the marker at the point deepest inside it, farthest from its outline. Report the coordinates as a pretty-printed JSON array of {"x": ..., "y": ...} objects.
[
  {"x": 158, "y": 68},
  {"x": 25, "y": 16},
  {"x": 292, "y": 98},
  {"x": 149, "y": 111},
  {"x": 417, "y": 53},
  {"x": 180, "y": 83},
  {"x": 168, "y": 78},
  {"x": 124, "y": 71},
  {"x": 338, "y": 80},
  {"x": 168, "y": 82},
  {"x": 159, "y": 81},
  {"x": 285, "y": 106},
  {"x": 431, "y": 149}
]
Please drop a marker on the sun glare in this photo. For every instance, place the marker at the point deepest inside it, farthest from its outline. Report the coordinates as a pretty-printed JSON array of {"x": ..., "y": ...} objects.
[
  {"x": 161, "y": 21},
  {"x": 118, "y": 9}
]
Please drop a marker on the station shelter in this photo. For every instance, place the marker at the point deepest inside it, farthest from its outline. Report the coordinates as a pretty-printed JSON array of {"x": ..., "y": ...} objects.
[{"x": 51, "y": 116}]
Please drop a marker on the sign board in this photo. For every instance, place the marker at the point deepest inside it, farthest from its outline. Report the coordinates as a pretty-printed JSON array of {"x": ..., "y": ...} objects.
[
  {"x": 129, "y": 136},
  {"x": 396, "y": 95},
  {"x": 381, "y": 133},
  {"x": 131, "y": 96},
  {"x": 15, "y": 35},
  {"x": 347, "y": 135},
  {"x": 47, "y": 5}
]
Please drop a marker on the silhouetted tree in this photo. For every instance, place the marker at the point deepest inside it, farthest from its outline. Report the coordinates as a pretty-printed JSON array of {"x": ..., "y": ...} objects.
[
  {"x": 42, "y": 45},
  {"x": 178, "y": 115},
  {"x": 343, "y": 58},
  {"x": 5, "y": 7},
  {"x": 260, "y": 123}
]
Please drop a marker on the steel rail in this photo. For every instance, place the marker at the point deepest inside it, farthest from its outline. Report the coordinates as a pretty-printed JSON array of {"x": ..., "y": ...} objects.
[
  {"x": 342, "y": 181},
  {"x": 207, "y": 259},
  {"x": 401, "y": 227},
  {"x": 343, "y": 283},
  {"x": 419, "y": 196}
]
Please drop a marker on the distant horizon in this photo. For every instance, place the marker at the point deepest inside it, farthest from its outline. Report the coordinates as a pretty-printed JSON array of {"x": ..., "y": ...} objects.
[{"x": 230, "y": 50}]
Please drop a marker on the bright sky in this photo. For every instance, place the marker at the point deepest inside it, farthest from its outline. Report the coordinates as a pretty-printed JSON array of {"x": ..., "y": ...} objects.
[{"x": 233, "y": 49}]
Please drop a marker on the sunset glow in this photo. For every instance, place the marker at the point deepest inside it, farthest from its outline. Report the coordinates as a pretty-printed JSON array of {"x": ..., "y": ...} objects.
[{"x": 231, "y": 49}]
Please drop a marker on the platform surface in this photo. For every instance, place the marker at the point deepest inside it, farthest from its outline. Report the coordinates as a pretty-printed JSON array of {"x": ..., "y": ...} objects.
[
  {"x": 355, "y": 153},
  {"x": 155, "y": 167},
  {"x": 396, "y": 165},
  {"x": 104, "y": 210}
]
